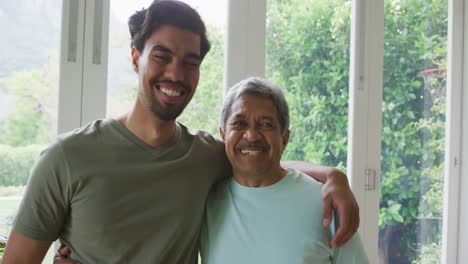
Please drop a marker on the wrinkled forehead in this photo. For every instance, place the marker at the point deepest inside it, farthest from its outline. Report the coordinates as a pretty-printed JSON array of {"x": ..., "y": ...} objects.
[{"x": 248, "y": 105}]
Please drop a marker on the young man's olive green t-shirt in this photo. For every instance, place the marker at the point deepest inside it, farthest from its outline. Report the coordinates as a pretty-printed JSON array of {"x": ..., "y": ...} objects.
[{"x": 114, "y": 199}]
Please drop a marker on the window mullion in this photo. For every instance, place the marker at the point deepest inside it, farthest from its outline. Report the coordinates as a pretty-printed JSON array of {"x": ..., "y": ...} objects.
[
  {"x": 71, "y": 65},
  {"x": 456, "y": 64},
  {"x": 245, "y": 41},
  {"x": 365, "y": 118},
  {"x": 95, "y": 60}
]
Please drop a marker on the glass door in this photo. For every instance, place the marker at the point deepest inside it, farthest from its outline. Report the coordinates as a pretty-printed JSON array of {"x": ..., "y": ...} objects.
[
  {"x": 413, "y": 132},
  {"x": 29, "y": 80}
]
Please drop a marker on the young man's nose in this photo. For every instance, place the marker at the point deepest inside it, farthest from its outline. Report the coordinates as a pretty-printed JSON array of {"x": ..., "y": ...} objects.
[{"x": 174, "y": 72}]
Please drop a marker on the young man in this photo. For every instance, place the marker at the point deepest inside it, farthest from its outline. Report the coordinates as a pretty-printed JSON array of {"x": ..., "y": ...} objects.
[
  {"x": 134, "y": 189},
  {"x": 266, "y": 213}
]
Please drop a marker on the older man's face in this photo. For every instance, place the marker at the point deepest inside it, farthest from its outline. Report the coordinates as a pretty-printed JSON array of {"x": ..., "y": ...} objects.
[{"x": 253, "y": 138}]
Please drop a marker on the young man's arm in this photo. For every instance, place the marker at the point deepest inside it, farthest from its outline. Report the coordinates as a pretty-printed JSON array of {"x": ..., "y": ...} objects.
[
  {"x": 43, "y": 210},
  {"x": 21, "y": 249},
  {"x": 336, "y": 194}
]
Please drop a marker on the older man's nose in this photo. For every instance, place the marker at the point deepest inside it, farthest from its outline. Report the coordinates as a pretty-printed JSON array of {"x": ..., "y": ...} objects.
[{"x": 252, "y": 134}]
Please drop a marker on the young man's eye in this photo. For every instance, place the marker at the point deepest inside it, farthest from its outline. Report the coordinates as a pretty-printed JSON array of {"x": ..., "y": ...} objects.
[
  {"x": 192, "y": 64},
  {"x": 161, "y": 58}
]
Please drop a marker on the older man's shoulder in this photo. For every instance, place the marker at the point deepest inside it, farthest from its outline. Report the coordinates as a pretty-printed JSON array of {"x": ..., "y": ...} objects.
[
  {"x": 201, "y": 135},
  {"x": 303, "y": 181}
]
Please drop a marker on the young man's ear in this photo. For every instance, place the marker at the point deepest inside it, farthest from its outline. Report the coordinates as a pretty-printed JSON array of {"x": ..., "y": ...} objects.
[
  {"x": 221, "y": 132},
  {"x": 135, "y": 59}
]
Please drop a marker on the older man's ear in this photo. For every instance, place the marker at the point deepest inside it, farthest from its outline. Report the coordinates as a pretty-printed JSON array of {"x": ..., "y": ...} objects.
[
  {"x": 285, "y": 138},
  {"x": 221, "y": 133}
]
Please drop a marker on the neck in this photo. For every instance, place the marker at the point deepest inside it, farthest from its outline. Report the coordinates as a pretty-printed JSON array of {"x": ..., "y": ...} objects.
[
  {"x": 259, "y": 180},
  {"x": 149, "y": 128}
]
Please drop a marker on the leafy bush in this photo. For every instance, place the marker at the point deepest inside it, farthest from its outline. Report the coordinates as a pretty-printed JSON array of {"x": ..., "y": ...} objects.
[
  {"x": 313, "y": 69},
  {"x": 34, "y": 116},
  {"x": 16, "y": 163},
  {"x": 413, "y": 128}
]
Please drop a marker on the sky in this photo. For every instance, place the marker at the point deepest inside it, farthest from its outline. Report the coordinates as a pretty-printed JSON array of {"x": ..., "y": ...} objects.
[{"x": 213, "y": 12}]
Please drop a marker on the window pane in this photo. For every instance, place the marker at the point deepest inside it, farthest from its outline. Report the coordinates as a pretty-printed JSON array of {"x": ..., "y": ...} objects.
[
  {"x": 29, "y": 66},
  {"x": 313, "y": 69},
  {"x": 413, "y": 131},
  {"x": 202, "y": 112}
]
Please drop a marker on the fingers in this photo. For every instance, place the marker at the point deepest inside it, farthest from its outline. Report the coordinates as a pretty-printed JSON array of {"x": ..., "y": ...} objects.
[
  {"x": 337, "y": 197},
  {"x": 64, "y": 250},
  {"x": 348, "y": 224},
  {"x": 59, "y": 259},
  {"x": 356, "y": 220},
  {"x": 343, "y": 228},
  {"x": 327, "y": 212},
  {"x": 348, "y": 232}
]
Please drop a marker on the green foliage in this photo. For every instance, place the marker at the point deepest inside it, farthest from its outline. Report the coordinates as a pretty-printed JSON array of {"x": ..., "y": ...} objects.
[
  {"x": 413, "y": 122},
  {"x": 34, "y": 118},
  {"x": 2, "y": 248},
  {"x": 312, "y": 67},
  {"x": 16, "y": 163},
  {"x": 429, "y": 254},
  {"x": 390, "y": 213}
]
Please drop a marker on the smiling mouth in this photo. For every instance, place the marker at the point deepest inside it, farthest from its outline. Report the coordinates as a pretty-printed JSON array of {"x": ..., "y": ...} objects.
[
  {"x": 250, "y": 152},
  {"x": 170, "y": 90}
]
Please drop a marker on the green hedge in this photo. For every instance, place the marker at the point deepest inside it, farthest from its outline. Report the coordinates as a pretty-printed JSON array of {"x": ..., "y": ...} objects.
[{"x": 16, "y": 163}]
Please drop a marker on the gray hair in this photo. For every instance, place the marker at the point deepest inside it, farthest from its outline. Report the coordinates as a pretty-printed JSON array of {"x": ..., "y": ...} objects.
[{"x": 257, "y": 87}]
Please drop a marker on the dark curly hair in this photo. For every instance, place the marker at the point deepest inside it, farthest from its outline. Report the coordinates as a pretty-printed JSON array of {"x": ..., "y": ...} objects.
[{"x": 142, "y": 24}]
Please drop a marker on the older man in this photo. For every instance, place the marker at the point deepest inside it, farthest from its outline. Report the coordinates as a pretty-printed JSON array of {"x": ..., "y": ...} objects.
[{"x": 266, "y": 213}]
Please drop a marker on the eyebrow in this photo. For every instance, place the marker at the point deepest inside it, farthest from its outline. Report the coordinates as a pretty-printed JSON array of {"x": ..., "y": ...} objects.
[
  {"x": 243, "y": 116},
  {"x": 165, "y": 49},
  {"x": 238, "y": 116},
  {"x": 268, "y": 118}
]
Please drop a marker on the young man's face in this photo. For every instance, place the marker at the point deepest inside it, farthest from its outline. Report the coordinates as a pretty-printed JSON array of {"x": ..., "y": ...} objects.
[
  {"x": 168, "y": 69},
  {"x": 253, "y": 138}
]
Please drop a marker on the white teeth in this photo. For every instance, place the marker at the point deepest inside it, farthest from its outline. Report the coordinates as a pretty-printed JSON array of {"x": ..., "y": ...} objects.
[
  {"x": 170, "y": 92},
  {"x": 250, "y": 152}
]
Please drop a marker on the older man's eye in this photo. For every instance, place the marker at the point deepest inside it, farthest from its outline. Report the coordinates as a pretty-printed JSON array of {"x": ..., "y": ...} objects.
[
  {"x": 267, "y": 125},
  {"x": 237, "y": 124}
]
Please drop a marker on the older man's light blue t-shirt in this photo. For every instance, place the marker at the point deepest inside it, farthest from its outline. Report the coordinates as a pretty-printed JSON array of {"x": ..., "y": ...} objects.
[{"x": 280, "y": 223}]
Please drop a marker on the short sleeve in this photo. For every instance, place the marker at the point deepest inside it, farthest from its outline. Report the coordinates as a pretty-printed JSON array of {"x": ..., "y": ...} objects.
[{"x": 44, "y": 207}]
